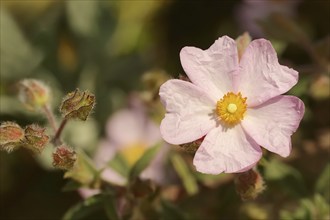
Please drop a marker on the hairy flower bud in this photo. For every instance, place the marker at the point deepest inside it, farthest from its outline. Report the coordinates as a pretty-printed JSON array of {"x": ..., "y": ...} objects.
[
  {"x": 35, "y": 138},
  {"x": 64, "y": 157},
  {"x": 77, "y": 104},
  {"x": 249, "y": 184},
  {"x": 33, "y": 93},
  {"x": 11, "y": 135}
]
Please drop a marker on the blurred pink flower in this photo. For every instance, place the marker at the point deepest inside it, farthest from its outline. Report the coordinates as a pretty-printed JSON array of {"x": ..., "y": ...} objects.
[
  {"x": 250, "y": 12},
  {"x": 129, "y": 132},
  {"x": 236, "y": 103}
]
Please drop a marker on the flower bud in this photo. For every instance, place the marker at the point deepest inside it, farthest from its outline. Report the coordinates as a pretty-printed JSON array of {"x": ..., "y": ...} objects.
[
  {"x": 319, "y": 88},
  {"x": 83, "y": 171},
  {"x": 33, "y": 93},
  {"x": 64, "y": 157},
  {"x": 11, "y": 135},
  {"x": 192, "y": 146},
  {"x": 249, "y": 184},
  {"x": 242, "y": 42},
  {"x": 35, "y": 138},
  {"x": 151, "y": 82},
  {"x": 77, "y": 104}
]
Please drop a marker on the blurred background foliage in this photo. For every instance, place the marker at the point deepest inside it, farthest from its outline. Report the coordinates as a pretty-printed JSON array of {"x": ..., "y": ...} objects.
[{"x": 113, "y": 48}]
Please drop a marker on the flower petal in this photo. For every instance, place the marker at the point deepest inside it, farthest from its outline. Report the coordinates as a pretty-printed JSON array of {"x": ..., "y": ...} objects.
[
  {"x": 226, "y": 150},
  {"x": 272, "y": 123},
  {"x": 112, "y": 176},
  {"x": 261, "y": 76},
  {"x": 126, "y": 127},
  {"x": 151, "y": 133},
  {"x": 106, "y": 151},
  {"x": 190, "y": 112},
  {"x": 155, "y": 171},
  {"x": 213, "y": 69},
  {"x": 86, "y": 192}
]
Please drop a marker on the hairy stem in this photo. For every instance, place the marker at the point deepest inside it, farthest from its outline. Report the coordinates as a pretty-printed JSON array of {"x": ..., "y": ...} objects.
[
  {"x": 57, "y": 138},
  {"x": 51, "y": 118}
]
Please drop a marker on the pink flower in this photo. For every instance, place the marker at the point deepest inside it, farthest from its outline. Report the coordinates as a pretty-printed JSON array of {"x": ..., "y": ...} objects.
[
  {"x": 235, "y": 103},
  {"x": 130, "y": 132}
]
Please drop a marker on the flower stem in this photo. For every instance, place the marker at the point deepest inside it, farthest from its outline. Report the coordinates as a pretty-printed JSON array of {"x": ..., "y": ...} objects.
[
  {"x": 57, "y": 138},
  {"x": 50, "y": 116}
]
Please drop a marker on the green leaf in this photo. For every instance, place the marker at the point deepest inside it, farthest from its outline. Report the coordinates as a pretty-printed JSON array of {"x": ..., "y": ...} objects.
[
  {"x": 71, "y": 185},
  {"x": 323, "y": 183},
  {"x": 285, "y": 176},
  {"x": 82, "y": 16},
  {"x": 308, "y": 209},
  {"x": 185, "y": 174},
  {"x": 277, "y": 170},
  {"x": 83, "y": 171},
  {"x": 170, "y": 212},
  {"x": 322, "y": 207},
  {"x": 144, "y": 161},
  {"x": 85, "y": 208},
  {"x": 110, "y": 208},
  {"x": 17, "y": 57},
  {"x": 119, "y": 164},
  {"x": 301, "y": 88}
]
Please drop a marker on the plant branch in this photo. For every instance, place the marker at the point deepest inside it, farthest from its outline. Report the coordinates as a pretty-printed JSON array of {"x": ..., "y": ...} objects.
[
  {"x": 57, "y": 137},
  {"x": 50, "y": 116}
]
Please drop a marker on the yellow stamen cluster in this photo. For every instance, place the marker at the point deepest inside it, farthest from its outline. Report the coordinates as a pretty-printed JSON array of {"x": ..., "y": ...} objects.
[
  {"x": 133, "y": 152},
  {"x": 231, "y": 108}
]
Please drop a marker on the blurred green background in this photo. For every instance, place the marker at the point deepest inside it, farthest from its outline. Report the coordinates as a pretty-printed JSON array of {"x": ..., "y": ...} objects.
[{"x": 107, "y": 47}]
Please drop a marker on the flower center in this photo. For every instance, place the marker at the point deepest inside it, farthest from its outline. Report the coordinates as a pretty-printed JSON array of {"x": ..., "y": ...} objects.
[
  {"x": 133, "y": 152},
  {"x": 231, "y": 108}
]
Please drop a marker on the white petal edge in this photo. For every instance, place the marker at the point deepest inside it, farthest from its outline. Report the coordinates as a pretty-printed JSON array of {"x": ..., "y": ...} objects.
[
  {"x": 228, "y": 150},
  {"x": 261, "y": 76},
  {"x": 213, "y": 70},
  {"x": 272, "y": 123},
  {"x": 190, "y": 112}
]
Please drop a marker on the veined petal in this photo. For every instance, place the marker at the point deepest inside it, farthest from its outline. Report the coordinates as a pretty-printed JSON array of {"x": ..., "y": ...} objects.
[
  {"x": 261, "y": 76},
  {"x": 272, "y": 123},
  {"x": 226, "y": 150},
  {"x": 213, "y": 69},
  {"x": 190, "y": 112}
]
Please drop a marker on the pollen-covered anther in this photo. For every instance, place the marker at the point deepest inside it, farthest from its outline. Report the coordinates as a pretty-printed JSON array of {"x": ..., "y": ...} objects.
[{"x": 231, "y": 108}]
